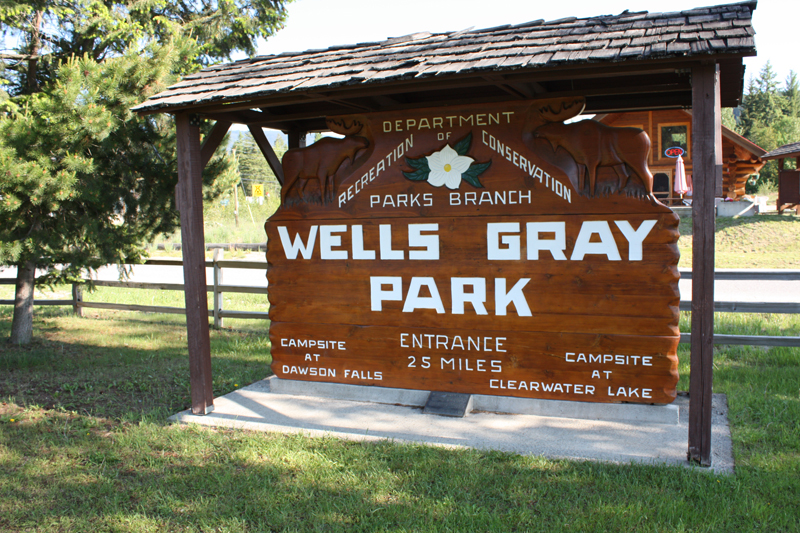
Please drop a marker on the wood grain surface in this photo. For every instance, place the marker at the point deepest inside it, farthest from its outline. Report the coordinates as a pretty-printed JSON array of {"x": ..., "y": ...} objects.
[{"x": 386, "y": 261}]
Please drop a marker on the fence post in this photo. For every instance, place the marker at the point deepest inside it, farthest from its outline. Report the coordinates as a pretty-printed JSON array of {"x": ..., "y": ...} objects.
[
  {"x": 77, "y": 299},
  {"x": 219, "y": 254}
]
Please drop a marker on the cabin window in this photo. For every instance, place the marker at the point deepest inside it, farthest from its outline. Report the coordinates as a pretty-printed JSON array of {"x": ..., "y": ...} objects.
[{"x": 672, "y": 136}]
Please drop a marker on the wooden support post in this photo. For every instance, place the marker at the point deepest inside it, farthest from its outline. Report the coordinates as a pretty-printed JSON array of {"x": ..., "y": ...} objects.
[
  {"x": 77, "y": 299},
  {"x": 189, "y": 197},
  {"x": 707, "y": 178},
  {"x": 213, "y": 140},
  {"x": 218, "y": 256}
]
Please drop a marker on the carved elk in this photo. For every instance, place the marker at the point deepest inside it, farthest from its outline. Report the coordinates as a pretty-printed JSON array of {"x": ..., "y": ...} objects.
[
  {"x": 321, "y": 160},
  {"x": 592, "y": 145}
]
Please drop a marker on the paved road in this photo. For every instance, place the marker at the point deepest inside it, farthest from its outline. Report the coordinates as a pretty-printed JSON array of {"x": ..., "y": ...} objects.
[
  {"x": 730, "y": 291},
  {"x": 174, "y": 274}
]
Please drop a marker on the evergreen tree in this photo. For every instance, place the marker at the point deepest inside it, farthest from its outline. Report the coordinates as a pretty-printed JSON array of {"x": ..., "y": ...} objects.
[
  {"x": 761, "y": 105},
  {"x": 770, "y": 117},
  {"x": 252, "y": 165},
  {"x": 83, "y": 181},
  {"x": 50, "y": 31},
  {"x": 791, "y": 94},
  {"x": 729, "y": 119}
]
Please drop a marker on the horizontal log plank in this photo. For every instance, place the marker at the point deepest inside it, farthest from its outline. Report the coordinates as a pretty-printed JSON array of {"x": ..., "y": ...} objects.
[
  {"x": 240, "y": 289},
  {"x": 228, "y": 263},
  {"x": 786, "y": 308},
  {"x": 480, "y": 362},
  {"x": 134, "y": 307},
  {"x": 595, "y": 293},
  {"x": 231, "y": 263},
  {"x": 258, "y": 315},
  {"x": 748, "y": 340},
  {"x": 41, "y": 302},
  {"x": 749, "y": 275},
  {"x": 685, "y": 274},
  {"x": 139, "y": 285},
  {"x": 178, "y": 286}
]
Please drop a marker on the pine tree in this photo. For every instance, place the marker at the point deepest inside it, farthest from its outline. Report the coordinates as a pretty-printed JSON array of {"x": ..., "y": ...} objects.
[
  {"x": 761, "y": 105},
  {"x": 252, "y": 165},
  {"x": 770, "y": 117},
  {"x": 791, "y": 94},
  {"x": 83, "y": 181}
]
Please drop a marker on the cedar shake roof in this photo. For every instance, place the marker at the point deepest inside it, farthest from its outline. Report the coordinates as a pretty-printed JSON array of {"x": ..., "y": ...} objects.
[
  {"x": 485, "y": 56},
  {"x": 784, "y": 152}
]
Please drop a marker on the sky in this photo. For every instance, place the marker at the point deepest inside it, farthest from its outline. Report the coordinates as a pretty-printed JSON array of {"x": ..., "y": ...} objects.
[{"x": 323, "y": 23}]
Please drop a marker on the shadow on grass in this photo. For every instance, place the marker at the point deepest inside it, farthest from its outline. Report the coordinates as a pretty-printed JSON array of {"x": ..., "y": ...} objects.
[
  {"x": 114, "y": 367},
  {"x": 148, "y": 476}
]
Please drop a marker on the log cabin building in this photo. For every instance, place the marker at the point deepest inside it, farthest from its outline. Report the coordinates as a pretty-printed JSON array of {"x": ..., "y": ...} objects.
[{"x": 669, "y": 128}]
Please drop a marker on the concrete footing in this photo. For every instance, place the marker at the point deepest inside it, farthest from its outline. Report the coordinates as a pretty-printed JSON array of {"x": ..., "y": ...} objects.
[
  {"x": 318, "y": 411},
  {"x": 617, "y": 412}
]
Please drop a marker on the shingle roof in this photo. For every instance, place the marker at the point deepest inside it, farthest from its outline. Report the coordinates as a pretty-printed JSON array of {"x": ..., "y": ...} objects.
[
  {"x": 784, "y": 152},
  {"x": 718, "y": 30}
]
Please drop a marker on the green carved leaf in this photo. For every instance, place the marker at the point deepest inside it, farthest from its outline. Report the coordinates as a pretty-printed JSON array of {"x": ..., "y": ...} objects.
[
  {"x": 417, "y": 175},
  {"x": 462, "y": 146},
  {"x": 419, "y": 164},
  {"x": 472, "y": 180},
  {"x": 472, "y": 173}
]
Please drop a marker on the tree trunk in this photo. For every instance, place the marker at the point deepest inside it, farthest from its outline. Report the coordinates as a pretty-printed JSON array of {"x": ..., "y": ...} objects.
[
  {"x": 236, "y": 203},
  {"x": 22, "y": 324},
  {"x": 36, "y": 45}
]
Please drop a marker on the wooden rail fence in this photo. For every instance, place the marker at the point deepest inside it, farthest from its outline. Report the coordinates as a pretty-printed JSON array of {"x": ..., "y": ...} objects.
[{"x": 217, "y": 288}]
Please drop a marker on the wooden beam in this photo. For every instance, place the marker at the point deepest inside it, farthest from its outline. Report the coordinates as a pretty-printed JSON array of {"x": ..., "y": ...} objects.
[
  {"x": 189, "y": 196},
  {"x": 266, "y": 149},
  {"x": 459, "y": 81},
  {"x": 213, "y": 141},
  {"x": 307, "y": 118},
  {"x": 707, "y": 178}
]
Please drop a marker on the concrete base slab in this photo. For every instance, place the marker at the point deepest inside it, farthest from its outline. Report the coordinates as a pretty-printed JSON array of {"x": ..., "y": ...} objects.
[
  {"x": 258, "y": 408},
  {"x": 629, "y": 413},
  {"x": 354, "y": 393},
  {"x": 622, "y": 412}
]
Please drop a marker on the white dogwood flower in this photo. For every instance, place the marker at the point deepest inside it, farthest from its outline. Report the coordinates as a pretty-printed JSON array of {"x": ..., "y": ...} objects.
[{"x": 446, "y": 167}]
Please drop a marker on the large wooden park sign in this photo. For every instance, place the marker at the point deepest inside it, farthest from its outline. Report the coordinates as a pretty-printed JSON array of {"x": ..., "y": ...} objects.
[{"x": 489, "y": 249}]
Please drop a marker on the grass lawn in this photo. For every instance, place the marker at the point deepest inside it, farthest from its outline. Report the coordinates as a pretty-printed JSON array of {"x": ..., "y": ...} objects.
[
  {"x": 84, "y": 445},
  {"x": 763, "y": 241}
]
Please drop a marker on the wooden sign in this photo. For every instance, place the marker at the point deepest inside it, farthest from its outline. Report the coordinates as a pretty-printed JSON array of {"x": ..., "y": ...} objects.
[{"x": 487, "y": 249}]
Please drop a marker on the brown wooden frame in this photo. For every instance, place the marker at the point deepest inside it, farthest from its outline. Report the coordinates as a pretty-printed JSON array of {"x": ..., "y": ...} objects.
[
  {"x": 703, "y": 81},
  {"x": 707, "y": 179},
  {"x": 661, "y": 157},
  {"x": 707, "y": 170}
]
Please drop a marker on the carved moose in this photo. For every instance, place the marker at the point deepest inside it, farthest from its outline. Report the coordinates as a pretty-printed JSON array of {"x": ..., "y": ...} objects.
[
  {"x": 592, "y": 145},
  {"x": 321, "y": 160}
]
